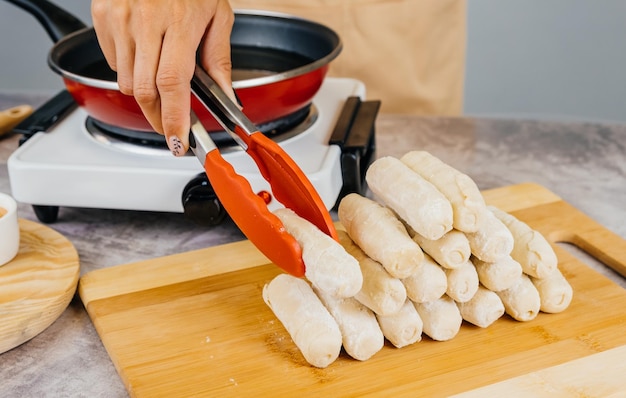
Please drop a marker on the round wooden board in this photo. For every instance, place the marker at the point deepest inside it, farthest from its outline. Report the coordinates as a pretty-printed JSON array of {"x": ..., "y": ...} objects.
[{"x": 37, "y": 285}]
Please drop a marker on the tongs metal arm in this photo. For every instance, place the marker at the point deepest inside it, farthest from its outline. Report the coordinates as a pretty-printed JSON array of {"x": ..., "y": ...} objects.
[
  {"x": 225, "y": 111},
  {"x": 288, "y": 182}
]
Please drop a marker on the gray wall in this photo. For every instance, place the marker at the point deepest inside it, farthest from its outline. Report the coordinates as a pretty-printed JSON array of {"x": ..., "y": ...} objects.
[
  {"x": 558, "y": 59},
  {"x": 24, "y": 47}
]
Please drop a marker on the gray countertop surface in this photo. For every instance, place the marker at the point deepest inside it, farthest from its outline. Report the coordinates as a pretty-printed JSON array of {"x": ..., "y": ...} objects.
[{"x": 583, "y": 163}]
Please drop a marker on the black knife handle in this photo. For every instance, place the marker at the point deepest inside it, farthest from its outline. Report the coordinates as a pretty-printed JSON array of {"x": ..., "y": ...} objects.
[{"x": 46, "y": 115}]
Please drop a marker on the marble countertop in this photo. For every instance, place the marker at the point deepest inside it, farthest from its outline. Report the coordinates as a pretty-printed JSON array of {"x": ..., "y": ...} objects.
[{"x": 583, "y": 163}]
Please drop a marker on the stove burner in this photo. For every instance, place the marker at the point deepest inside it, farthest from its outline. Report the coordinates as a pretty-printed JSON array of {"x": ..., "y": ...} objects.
[{"x": 149, "y": 142}]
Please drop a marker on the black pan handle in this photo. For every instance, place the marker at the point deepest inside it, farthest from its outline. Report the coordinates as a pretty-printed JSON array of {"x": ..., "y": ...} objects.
[{"x": 57, "y": 22}]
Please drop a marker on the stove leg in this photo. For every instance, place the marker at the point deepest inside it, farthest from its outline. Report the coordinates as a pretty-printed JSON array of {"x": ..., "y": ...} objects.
[{"x": 46, "y": 214}]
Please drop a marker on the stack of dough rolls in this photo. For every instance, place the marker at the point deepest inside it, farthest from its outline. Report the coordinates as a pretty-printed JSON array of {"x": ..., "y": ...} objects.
[
  {"x": 521, "y": 301},
  {"x": 555, "y": 292},
  {"x": 423, "y": 269},
  {"x": 452, "y": 253},
  {"x": 539, "y": 262},
  {"x": 404, "y": 327},
  {"x": 492, "y": 241},
  {"x": 527, "y": 279},
  {"x": 465, "y": 198},
  {"x": 377, "y": 231},
  {"x": 462, "y": 282},
  {"x": 483, "y": 309},
  {"x": 311, "y": 327},
  {"x": 417, "y": 201},
  {"x": 323, "y": 318},
  {"x": 381, "y": 292},
  {"x": 429, "y": 282},
  {"x": 530, "y": 248},
  {"x": 442, "y": 318},
  {"x": 328, "y": 266},
  {"x": 361, "y": 334},
  {"x": 498, "y": 275},
  {"x": 386, "y": 296}
]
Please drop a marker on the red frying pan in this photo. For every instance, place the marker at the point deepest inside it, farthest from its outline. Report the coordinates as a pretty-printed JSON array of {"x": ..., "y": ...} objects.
[{"x": 279, "y": 64}]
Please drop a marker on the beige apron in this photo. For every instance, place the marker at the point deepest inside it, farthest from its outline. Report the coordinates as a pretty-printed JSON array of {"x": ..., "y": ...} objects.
[{"x": 409, "y": 53}]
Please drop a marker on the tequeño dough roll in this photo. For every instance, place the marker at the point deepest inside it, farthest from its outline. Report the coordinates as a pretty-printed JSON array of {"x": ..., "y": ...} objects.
[
  {"x": 328, "y": 266},
  {"x": 492, "y": 241},
  {"x": 483, "y": 309},
  {"x": 361, "y": 334},
  {"x": 311, "y": 327},
  {"x": 499, "y": 275},
  {"x": 462, "y": 282},
  {"x": 416, "y": 201},
  {"x": 452, "y": 250},
  {"x": 441, "y": 318},
  {"x": 521, "y": 301},
  {"x": 402, "y": 328},
  {"x": 379, "y": 233},
  {"x": 555, "y": 292},
  {"x": 531, "y": 249},
  {"x": 429, "y": 281},
  {"x": 467, "y": 202},
  {"x": 381, "y": 292}
]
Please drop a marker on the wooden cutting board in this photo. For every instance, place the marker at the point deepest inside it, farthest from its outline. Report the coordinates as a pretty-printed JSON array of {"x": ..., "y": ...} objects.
[
  {"x": 597, "y": 375},
  {"x": 37, "y": 285},
  {"x": 195, "y": 324}
]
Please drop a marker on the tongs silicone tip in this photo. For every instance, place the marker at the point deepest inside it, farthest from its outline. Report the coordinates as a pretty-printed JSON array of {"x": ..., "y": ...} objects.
[{"x": 288, "y": 182}]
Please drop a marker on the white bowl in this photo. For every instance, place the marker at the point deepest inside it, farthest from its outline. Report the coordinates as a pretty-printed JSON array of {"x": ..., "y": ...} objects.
[{"x": 9, "y": 229}]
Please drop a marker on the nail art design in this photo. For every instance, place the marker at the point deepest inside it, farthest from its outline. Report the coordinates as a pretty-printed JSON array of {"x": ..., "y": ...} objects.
[{"x": 176, "y": 146}]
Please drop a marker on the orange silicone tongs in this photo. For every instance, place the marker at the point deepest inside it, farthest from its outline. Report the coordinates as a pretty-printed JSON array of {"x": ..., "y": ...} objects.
[{"x": 248, "y": 210}]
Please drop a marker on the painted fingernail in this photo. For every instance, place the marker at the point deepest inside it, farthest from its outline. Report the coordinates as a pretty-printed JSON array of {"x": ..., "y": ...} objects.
[{"x": 176, "y": 146}]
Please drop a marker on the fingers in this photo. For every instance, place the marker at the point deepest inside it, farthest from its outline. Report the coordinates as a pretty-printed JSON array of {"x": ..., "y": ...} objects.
[
  {"x": 99, "y": 11},
  {"x": 175, "y": 71},
  {"x": 124, "y": 64},
  {"x": 152, "y": 46},
  {"x": 145, "y": 69},
  {"x": 215, "y": 51},
  {"x": 177, "y": 64},
  {"x": 112, "y": 24},
  {"x": 121, "y": 35}
]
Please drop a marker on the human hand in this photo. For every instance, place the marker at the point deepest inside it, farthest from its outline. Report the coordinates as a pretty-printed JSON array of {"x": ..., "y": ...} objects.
[{"x": 152, "y": 45}]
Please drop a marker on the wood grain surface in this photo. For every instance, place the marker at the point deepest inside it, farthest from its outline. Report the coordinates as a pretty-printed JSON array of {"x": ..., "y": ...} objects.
[
  {"x": 195, "y": 324},
  {"x": 37, "y": 285},
  {"x": 596, "y": 375}
]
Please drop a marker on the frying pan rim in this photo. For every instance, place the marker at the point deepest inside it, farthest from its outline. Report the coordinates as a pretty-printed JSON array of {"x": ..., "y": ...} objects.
[{"x": 239, "y": 84}]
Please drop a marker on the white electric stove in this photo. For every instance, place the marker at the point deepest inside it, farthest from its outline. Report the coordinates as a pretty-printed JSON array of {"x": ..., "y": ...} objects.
[{"x": 70, "y": 165}]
